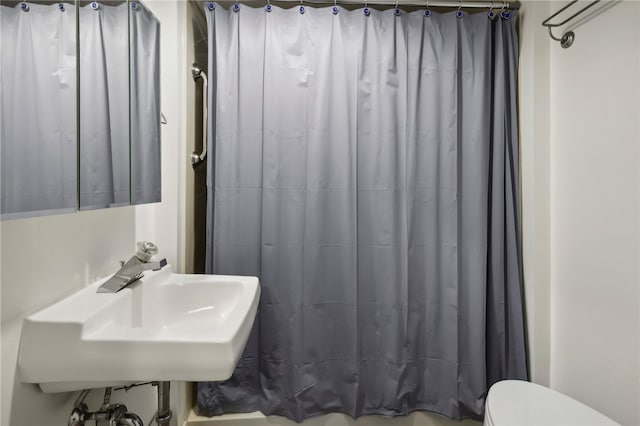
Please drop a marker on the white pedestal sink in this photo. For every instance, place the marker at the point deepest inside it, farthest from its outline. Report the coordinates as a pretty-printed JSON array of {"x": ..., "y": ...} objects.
[{"x": 164, "y": 327}]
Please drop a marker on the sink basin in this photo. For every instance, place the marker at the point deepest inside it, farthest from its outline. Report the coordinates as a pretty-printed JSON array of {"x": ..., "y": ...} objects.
[{"x": 164, "y": 327}]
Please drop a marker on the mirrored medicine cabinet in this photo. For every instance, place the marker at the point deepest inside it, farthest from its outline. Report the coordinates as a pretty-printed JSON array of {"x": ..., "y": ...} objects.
[{"x": 80, "y": 106}]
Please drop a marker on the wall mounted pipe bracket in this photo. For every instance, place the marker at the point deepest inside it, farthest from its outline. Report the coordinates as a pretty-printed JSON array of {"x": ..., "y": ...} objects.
[{"x": 566, "y": 40}]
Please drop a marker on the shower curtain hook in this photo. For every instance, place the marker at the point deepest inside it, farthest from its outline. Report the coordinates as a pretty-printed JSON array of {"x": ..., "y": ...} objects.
[
  {"x": 491, "y": 15},
  {"x": 459, "y": 12},
  {"x": 427, "y": 12},
  {"x": 335, "y": 9},
  {"x": 268, "y": 6},
  {"x": 301, "y": 9},
  {"x": 397, "y": 10},
  {"x": 505, "y": 14},
  {"x": 366, "y": 10}
]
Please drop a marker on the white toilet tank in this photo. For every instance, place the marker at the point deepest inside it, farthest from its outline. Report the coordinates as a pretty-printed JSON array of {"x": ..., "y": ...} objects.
[{"x": 516, "y": 403}]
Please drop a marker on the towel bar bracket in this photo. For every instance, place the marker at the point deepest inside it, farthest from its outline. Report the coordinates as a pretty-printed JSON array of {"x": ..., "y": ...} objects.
[{"x": 566, "y": 40}]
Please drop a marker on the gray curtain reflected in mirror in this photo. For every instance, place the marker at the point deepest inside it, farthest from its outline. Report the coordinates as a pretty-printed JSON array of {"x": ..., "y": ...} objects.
[
  {"x": 104, "y": 105},
  {"x": 38, "y": 109},
  {"x": 80, "y": 119},
  {"x": 145, "y": 106}
]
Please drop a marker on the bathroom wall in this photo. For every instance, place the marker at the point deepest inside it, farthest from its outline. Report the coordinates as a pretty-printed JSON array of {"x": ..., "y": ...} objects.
[
  {"x": 595, "y": 213},
  {"x": 580, "y": 135},
  {"x": 533, "y": 108},
  {"x": 195, "y": 190},
  {"x": 44, "y": 259}
]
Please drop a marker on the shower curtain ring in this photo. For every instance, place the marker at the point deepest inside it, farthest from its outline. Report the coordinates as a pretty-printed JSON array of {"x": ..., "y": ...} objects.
[
  {"x": 491, "y": 15},
  {"x": 397, "y": 10},
  {"x": 268, "y": 6},
  {"x": 427, "y": 12},
  {"x": 459, "y": 12},
  {"x": 301, "y": 9},
  {"x": 335, "y": 9},
  {"x": 505, "y": 14},
  {"x": 366, "y": 10}
]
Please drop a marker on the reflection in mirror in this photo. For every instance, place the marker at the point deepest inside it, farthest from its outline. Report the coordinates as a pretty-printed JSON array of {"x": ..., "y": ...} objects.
[
  {"x": 145, "y": 105},
  {"x": 104, "y": 104},
  {"x": 65, "y": 133},
  {"x": 38, "y": 108}
]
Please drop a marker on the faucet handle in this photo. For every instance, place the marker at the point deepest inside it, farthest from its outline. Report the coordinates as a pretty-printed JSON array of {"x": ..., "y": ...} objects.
[{"x": 146, "y": 250}]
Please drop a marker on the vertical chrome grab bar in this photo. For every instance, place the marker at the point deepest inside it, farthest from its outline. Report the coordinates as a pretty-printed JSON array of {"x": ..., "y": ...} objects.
[{"x": 197, "y": 73}]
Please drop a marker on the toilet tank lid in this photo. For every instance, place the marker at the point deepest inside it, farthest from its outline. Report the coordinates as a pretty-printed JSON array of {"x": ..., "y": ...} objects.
[{"x": 516, "y": 402}]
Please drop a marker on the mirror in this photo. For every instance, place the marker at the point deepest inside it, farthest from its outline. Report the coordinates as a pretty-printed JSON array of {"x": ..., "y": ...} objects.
[
  {"x": 78, "y": 140},
  {"x": 104, "y": 104},
  {"x": 145, "y": 105},
  {"x": 38, "y": 103}
]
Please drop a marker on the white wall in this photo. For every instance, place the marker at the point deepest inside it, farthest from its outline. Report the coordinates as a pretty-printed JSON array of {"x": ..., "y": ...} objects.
[
  {"x": 581, "y": 163},
  {"x": 44, "y": 259},
  {"x": 533, "y": 108},
  {"x": 595, "y": 213}
]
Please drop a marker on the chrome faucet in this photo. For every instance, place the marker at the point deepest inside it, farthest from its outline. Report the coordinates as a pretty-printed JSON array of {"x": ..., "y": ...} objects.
[{"x": 132, "y": 270}]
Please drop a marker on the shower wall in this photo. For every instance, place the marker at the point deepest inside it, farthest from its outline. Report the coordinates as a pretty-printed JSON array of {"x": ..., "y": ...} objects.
[{"x": 195, "y": 188}]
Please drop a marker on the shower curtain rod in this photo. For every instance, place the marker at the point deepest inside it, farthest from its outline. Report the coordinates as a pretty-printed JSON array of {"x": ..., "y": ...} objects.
[{"x": 497, "y": 5}]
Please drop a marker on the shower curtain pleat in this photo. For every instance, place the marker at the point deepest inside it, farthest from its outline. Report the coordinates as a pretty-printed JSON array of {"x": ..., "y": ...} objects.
[{"x": 365, "y": 170}]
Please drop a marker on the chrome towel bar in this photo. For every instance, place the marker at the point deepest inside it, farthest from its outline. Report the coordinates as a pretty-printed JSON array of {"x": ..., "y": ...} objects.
[{"x": 567, "y": 38}]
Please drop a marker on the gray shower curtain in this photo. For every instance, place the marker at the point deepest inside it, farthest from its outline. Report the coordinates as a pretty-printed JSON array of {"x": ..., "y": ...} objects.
[{"x": 366, "y": 170}]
